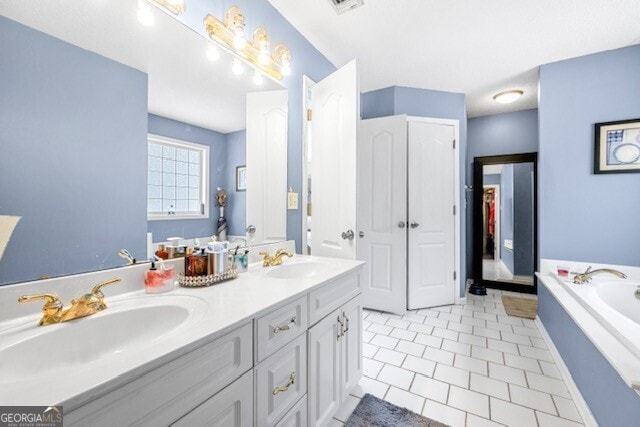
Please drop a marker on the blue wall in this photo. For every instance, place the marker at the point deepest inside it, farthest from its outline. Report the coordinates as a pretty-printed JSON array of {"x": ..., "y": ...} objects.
[
  {"x": 305, "y": 60},
  {"x": 216, "y": 141},
  {"x": 523, "y": 263},
  {"x": 73, "y": 131},
  {"x": 506, "y": 214},
  {"x": 236, "y": 156},
  {"x": 500, "y": 134},
  {"x": 575, "y": 94},
  {"x": 425, "y": 103}
]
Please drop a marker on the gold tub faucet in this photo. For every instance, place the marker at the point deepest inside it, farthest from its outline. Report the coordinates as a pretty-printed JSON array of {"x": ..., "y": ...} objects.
[{"x": 86, "y": 305}]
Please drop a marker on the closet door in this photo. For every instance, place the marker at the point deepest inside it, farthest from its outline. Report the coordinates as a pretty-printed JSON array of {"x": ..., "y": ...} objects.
[
  {"x": 382, "y": 212},
  {"x": 431, "y": 214}
]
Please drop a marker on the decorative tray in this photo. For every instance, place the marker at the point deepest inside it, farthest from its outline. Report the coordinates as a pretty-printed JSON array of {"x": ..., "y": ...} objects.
[{"x": 211, "y": 279}]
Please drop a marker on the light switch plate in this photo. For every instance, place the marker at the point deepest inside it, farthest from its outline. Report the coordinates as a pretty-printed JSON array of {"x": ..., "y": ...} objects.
[{"x": 292, "y": 200}]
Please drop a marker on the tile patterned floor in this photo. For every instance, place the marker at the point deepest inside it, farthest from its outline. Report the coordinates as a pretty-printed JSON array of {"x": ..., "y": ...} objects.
[{"x": 463, "y": 365}]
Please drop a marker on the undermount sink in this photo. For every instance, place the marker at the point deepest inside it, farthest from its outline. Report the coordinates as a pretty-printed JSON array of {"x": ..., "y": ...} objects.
[
  {"x": 127, "y": 325},
  {"x": 300, "y": 269}
]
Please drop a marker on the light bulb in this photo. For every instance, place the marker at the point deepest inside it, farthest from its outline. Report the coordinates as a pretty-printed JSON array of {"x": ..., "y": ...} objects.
[
  {"x": 257, "y": 78},
  {"x": 263, "y": 58},
  {"x": 145, "y": 16},
  {"x": 238, "y": 67},
  {"x": 175, "y": 2},
  {"x": 286, "y": 68},
  {"x": 239, "y": 42},
  {"x": 213, "y": 54}
]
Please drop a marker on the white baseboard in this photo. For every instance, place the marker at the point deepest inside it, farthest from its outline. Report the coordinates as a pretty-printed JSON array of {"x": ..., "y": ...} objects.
[
  {"x": 581, "y": 404},
  {"x": 461, "y": 300}
]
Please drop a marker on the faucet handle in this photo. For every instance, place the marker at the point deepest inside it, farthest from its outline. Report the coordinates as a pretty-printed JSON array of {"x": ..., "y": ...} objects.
[
  {"x": 52, "y": 305},
  {"x": 97, "y": 289}
]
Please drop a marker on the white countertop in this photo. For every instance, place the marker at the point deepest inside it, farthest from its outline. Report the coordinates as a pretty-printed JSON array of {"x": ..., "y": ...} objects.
[{"x": 228, "y": 305}]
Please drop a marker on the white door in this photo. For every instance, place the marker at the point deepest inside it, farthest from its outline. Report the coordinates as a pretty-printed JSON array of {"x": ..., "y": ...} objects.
[
  {"x": 267, "y": 129},
  {"x": 333, "y": 170},
  {"x": 431, "y": 214},
  {"x": 324, "y": 370},
  {"x": 382, "y": 212}
]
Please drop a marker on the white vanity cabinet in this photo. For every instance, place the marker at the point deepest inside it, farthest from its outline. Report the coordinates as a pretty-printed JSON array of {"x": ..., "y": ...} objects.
[
  {"x": 232, "y": 407},
  {"x": 335, "y": 360},
  {"x": 292, "y": 363}
]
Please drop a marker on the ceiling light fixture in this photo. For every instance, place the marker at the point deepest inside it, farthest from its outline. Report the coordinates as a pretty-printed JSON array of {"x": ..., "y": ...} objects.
[
  {"x": 145, "y": 15},
  {"x": 238, "y": 67},
  {"x": 230, "y": 35},
  {"x": 508, "y": 96}
]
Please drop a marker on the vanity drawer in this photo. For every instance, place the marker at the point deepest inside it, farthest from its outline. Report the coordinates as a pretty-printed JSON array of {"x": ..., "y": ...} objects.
[
  {"x": 231, "y": 407},
  {"x": 324, "y": 300},
  {"x": 280, "y": 382},
  {"x": 167, "y": 393},
  {"x": 280, "y": 327},
  {"x": 297, "y": 416}
]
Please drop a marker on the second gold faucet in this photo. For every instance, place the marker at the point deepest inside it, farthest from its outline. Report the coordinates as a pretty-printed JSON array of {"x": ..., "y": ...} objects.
[{"x": 269, "y": 261}]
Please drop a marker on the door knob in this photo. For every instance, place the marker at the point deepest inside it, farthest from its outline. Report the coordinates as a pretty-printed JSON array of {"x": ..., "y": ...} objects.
[
  {"x": 348, "y": 235},
  {"x": 415, "y": 225},
  {"x": 402, "y": 224},
  {"x": 251, "y": 229}
]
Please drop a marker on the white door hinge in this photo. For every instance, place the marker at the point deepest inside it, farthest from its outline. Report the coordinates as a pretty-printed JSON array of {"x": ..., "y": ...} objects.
[
  {"x": 309, "y": 114},
  {"x": 454, "y": 275},
  {"x": 454, "y": 143},
  {"x": 454, "y": 209}
]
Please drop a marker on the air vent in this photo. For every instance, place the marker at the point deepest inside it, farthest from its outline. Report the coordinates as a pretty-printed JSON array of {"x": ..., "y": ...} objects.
[{"x": 342, "y": 6}]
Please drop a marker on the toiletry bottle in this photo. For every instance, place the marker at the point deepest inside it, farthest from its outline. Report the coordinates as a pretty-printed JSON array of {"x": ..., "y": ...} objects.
[
  {"x": 162, "y": 252},
  {"x": 157, "y": 281}
]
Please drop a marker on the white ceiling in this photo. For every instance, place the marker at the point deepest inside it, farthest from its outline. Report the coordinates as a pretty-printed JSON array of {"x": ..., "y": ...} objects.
[
  {"x": 183, "y": 84},
  {"x": 474, "y": 47}
]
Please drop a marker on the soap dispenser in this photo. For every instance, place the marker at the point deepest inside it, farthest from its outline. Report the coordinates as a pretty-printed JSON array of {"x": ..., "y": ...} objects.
[{"x": 157, "y": 281}]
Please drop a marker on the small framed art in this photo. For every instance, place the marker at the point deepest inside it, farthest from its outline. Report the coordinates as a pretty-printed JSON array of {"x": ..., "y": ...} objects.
[
  {"x": 241, "y": 178},
  {"x": 617, "y": 147}
]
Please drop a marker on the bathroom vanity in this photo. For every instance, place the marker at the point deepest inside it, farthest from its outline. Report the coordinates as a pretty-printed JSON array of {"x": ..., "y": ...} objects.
[{"x": 277, "y": 346}]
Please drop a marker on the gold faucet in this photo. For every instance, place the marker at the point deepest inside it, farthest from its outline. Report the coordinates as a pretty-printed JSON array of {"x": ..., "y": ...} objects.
[
  {"x": 585, "y": 277},
  {"x": 86, "y": 305},
  {"x": 269, "y": 261}
]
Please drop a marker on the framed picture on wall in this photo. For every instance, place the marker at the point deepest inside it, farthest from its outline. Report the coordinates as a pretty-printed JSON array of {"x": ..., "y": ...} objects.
[
  {"x": 617, "y": 147},
  {"x": 241, "y": 178}
]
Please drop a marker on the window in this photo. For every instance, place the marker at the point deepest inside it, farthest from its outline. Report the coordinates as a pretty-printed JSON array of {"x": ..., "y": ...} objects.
[{"x": 177, "y": 180}]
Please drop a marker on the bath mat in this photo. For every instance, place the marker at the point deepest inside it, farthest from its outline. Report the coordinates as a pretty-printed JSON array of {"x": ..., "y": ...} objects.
[
  {"x": 520, "y": 307},
  {"x": 374, "y": 412}
]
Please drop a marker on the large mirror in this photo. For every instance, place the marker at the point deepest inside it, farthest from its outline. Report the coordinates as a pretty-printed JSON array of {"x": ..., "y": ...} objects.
[
  {"x": 83, "y": 85},
  {"x": 505, "y": 222}
]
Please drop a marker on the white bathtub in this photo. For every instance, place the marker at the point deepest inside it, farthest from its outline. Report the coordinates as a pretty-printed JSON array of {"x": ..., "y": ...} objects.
[
  {"x": 606, "y": 310},
  {"x": 613, "y": 303}
]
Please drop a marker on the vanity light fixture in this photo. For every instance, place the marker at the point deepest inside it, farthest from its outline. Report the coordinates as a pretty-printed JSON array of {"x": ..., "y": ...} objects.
[
  {"x": 283, "y": 55},
  {"x": 213, "y": 53},
  {"x": 177, "y": 7},
  {"x": 230, "y": 35},
  {"x": 145, "y": 15},
  {"x": 508, "y": 96},
  {"x": 257, "y": 78},
  {"x": 238, "y": 67},
  {"x": 261, "y": 41}
]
